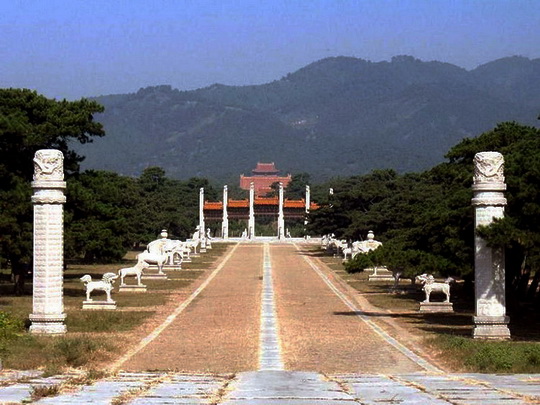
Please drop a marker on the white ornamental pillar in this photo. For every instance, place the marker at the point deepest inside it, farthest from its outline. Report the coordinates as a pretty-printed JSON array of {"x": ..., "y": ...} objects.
[
  {"x": 225, "y": 222},
  {"x": 490, "y": 318},
  {"x": 308, "y": 203},
  {"x": 251, "y": 221},
  {"x": 202, "y": 227},
  {"x": 48, "y": 315},
  {"x": 281, "y": 217}
]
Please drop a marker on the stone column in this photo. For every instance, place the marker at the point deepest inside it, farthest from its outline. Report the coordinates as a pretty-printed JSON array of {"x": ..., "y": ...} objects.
[
  {"x": 251, "y": 221},
  {"x": 281, "y": 217},
  {"x": 225, "y": 222},
  {"x": 308, "y": 203},
  {"x": 48, "y": 315},
  {"x": 490, "y": 318},
  {"x": 202, "y": 226}
]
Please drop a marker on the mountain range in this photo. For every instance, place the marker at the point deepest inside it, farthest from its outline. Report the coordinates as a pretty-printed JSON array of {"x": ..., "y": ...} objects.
[{"x": 338, "y": 116}]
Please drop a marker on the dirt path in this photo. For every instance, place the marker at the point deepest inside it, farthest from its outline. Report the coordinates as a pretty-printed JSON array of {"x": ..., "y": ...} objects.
[
  {"x": 318, "y": 331},
  {"x": 218, "y": 332}
]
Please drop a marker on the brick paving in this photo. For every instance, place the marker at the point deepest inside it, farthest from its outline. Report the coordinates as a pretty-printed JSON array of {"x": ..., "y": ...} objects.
[{"x": 328, "y": 352}]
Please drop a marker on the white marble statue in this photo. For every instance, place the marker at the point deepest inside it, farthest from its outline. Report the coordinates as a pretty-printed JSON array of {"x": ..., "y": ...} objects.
[
  {"x": 136, "y": 271},
  {"x": 105, "y": 284},
  {"x": 430, "y": 285},
  {"x": 159, "y": 259},
  {"x": 208, "y": 239}
]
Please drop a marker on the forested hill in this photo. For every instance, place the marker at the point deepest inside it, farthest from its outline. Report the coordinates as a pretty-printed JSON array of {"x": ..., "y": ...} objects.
[{"x": 337, "y": 116}]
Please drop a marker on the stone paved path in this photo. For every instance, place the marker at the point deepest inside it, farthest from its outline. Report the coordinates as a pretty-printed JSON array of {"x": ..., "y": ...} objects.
[{"x": 271, "y": 327}]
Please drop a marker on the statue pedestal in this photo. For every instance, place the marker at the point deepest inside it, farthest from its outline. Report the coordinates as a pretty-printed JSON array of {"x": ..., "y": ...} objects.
[
  {"x": 381, "y": 274},
  {"x": 154, "y": 276},
  {"x": 187, "y": 260},
  {"x": 99, "y": 305},
  {"x": 491, "y": 327},
  {"x": 202, "y": 250},
  {"x": 132, "y": 288},
  {"x": 436, "y": 307},
  {"x": 166, "y": 267}
]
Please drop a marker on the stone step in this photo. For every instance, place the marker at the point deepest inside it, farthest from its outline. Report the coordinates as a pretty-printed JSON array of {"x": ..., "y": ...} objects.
[{"x": 281, "y": 387}]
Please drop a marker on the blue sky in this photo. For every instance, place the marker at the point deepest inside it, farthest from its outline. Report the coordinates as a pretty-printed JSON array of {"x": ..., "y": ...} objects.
[{"x": 73, "y": 48}]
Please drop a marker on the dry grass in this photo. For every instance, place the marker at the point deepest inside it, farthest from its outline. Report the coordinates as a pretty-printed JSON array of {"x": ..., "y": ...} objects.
[
  {"x": 94, "y": 337},
  {"x": 446, "y": 337}
]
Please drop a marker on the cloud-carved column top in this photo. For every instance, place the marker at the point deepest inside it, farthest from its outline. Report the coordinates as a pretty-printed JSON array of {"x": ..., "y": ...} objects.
[
  {"x": 488, "y": 167},
  {"x": 48, "y": 165}
]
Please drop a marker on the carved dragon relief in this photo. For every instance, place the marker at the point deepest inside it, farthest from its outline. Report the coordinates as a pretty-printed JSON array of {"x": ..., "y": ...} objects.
[
  {"x": 48, "y": 165},
  {"x": 488, "y": 167}
]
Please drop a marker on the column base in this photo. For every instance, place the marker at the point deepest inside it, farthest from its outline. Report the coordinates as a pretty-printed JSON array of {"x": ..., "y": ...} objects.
[
  {"x": 491, "y": 327},
  {"x": 44, "y": 324}
]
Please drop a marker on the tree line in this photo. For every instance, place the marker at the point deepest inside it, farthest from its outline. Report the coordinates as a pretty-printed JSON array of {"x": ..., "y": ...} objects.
[
  {"x": 426, "y": 222},
  {"x": 106, "y": 214}
]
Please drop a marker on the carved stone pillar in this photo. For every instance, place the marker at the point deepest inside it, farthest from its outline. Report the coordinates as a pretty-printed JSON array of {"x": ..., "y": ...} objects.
[
  {"x": 202, "y": 226},
  {"x": 225, "y": 221},
  {"x": 251, "y": 221},
  {"x": 281, "y": 216},
  {"x": 48, "y": 315},
  {"x": 308, "y": 203},
  {"x": 490, "y": 318}
]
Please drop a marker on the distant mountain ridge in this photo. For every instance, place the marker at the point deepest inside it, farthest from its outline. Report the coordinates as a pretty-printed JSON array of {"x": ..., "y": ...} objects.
[{"x": 335, "y": 117}]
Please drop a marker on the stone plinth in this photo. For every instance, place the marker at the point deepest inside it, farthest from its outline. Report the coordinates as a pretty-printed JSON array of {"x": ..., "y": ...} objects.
[
  {"x": 132, "y": 288},
  {"x": 489, "y": 267},
  {"x": 436, "y": 307},
  {"x": 166, "y": 267},
  {"x": 48, "y": 315},
  {"x": 380, "y": 274},
  {"x": 491, "y": 327},
  {"x": 154, "y": 276},
  {"x": 99, "y": 305}
]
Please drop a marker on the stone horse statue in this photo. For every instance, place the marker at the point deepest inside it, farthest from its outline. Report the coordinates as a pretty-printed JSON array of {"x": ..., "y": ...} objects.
[
  {"x": 136, "y": 271},
  {"x": 105, "y": 284},
  {"x": 155, "y": 254}
]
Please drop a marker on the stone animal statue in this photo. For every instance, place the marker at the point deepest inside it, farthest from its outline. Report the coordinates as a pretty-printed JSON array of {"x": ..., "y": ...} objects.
[
  {"x": 430, "y": 286},
  {"x": 136, "y": 271},
  {"x": 153, "y": 258},
  {"x": 352, "y": 251},
  {"x": 105, "y": 284}
]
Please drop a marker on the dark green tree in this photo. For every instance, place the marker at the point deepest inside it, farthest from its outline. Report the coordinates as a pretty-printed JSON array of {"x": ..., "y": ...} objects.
[
  {"x": 296, "y": 189},
  {"x": 29, "y": 122}
]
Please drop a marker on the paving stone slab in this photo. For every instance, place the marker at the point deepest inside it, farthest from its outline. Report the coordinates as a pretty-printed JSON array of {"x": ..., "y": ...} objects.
[
  {"x": 524, "y": 384},
  {"x": 19, "y": 392},
  {"x": 459, "y": 390},
  {"x": 374, "y": 389},
  {"x": 183, "y": 389},
  {"x": 285, "y": 387},
  {"x": 14, "y": 375},
  {"x": 99, "y": 393}
]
